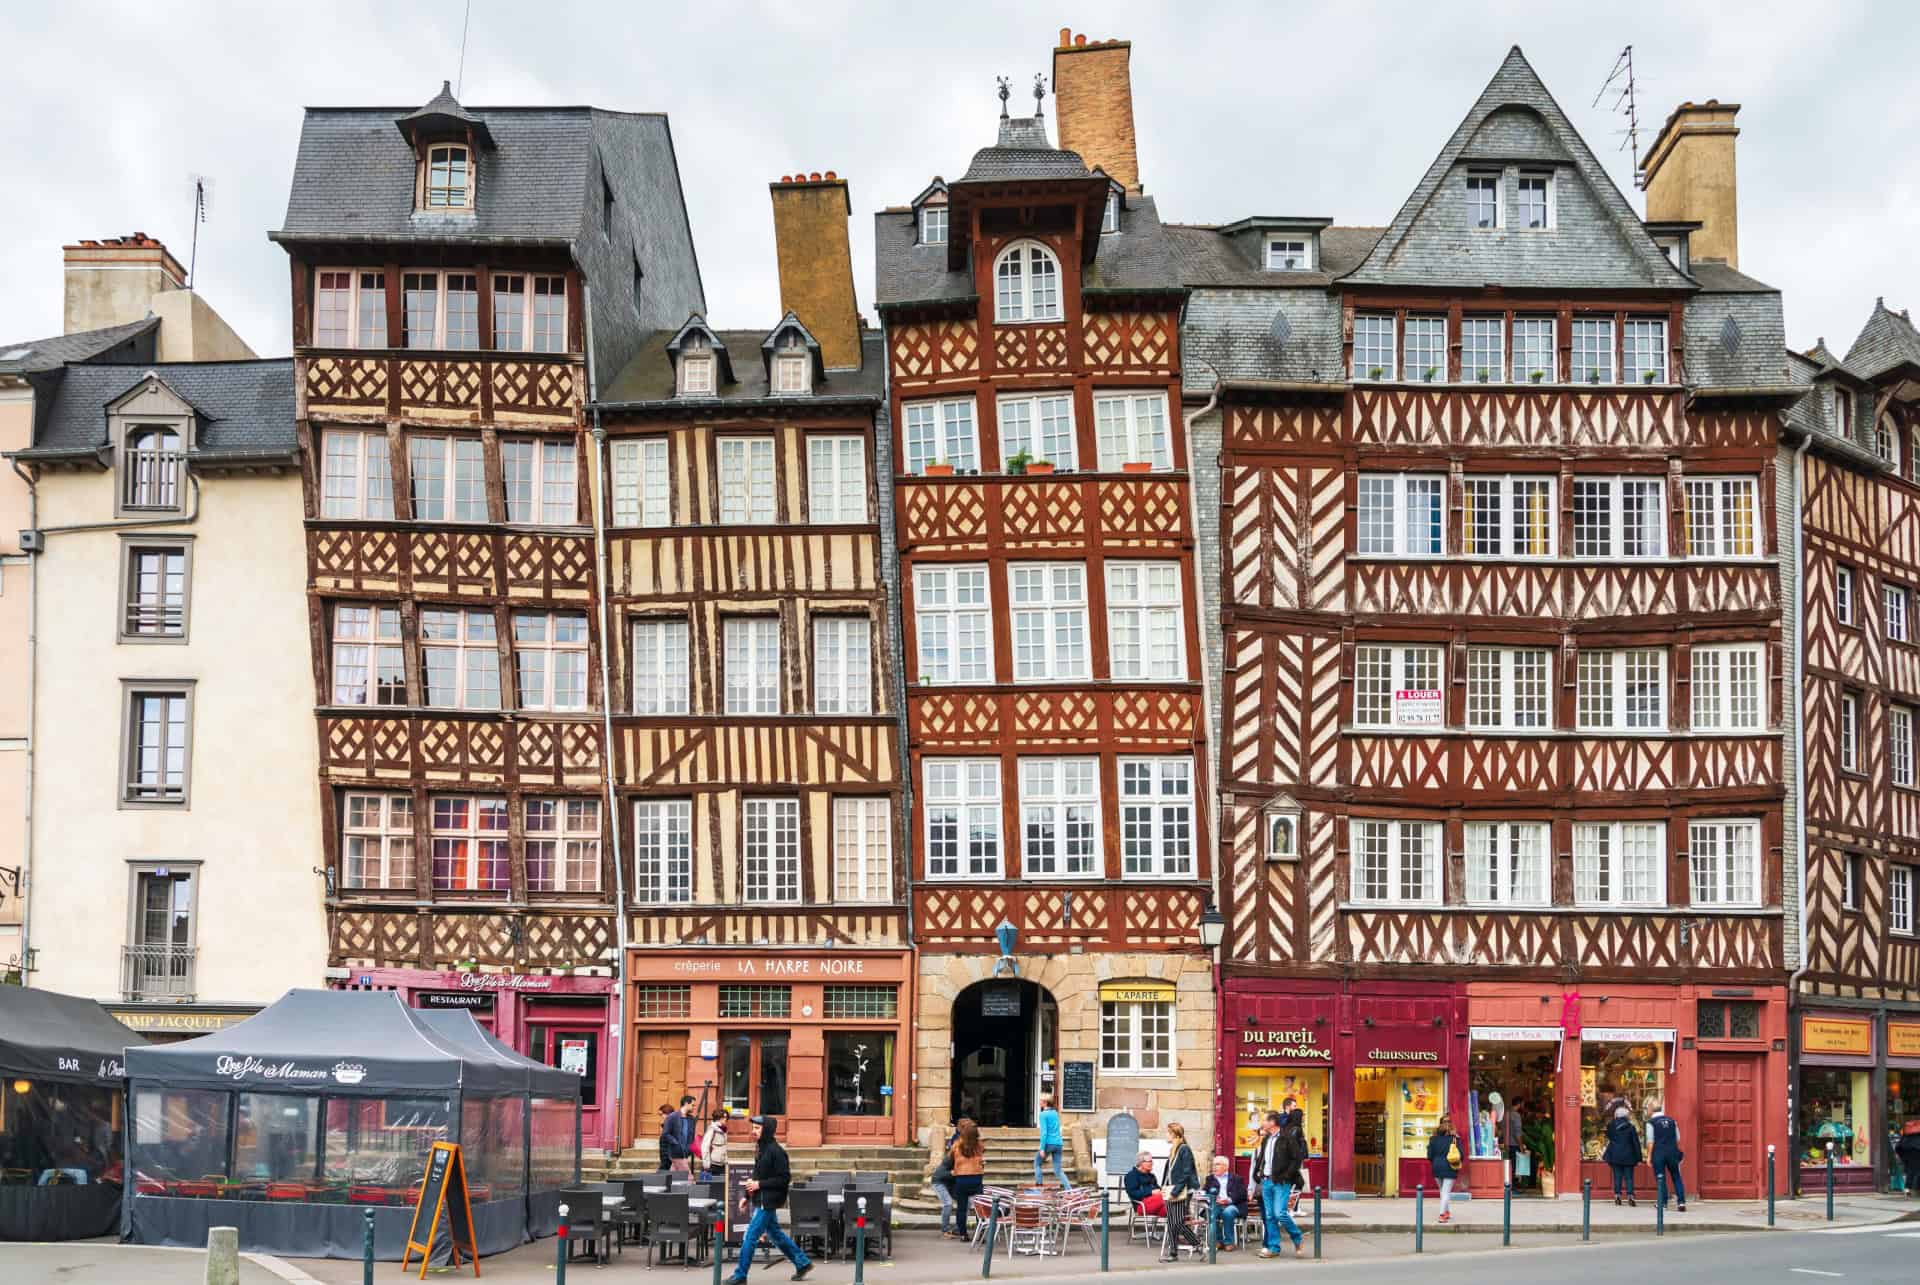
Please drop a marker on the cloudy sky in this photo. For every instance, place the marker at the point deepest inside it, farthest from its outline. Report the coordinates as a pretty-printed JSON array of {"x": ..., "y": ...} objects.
[{"x": 1278, "y": 108}]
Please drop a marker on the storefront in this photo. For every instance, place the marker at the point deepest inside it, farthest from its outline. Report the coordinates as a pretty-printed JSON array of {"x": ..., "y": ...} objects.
[
  {"x": 564, "y": 1021},
  {"x": 819, "y": 1039},
  {"x": 1903, "y": 1088},
  {"x": 1373, "y": 1067},
  {"x": 171, "y": 1023},
  {"x": 1551, "y": 1065},
  {"x": 1859, "y": 1085}
]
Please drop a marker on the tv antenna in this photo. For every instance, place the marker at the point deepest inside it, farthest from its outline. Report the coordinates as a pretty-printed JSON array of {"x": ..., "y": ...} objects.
[
  {"x": 460, "y": 76},
  {"x": 1620, "y": 83},
  {"x": 202, "y": 197}
]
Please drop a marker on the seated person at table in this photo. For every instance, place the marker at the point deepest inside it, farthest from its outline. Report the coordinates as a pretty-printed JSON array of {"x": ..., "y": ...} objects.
[
  {"x": 1226, "y": 1202},
  {"x": 1143, "y": 1189}
]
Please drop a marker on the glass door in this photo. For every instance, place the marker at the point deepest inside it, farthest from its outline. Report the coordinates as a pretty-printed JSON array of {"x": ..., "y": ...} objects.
[{"x": 753, "y": 1072}]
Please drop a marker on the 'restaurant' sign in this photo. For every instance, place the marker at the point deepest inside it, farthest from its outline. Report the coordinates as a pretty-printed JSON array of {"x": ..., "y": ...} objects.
[
  {"x": 1903, "y": 1039},
  {"x": 1284, "y": 1044},
  {"x": 472, "y": 1001},
  {"x": 1853, "y": 1037}
]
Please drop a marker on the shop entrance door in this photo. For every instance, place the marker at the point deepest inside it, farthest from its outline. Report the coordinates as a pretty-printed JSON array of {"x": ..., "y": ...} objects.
[
  {"x": 572, "y": 1046},
  {"x": 1729, "y": 1125},
  {"x": 660, "y": 1075},
  {"x": 753, "y": 1072},
  {"x": 1002, "y": 1033}
]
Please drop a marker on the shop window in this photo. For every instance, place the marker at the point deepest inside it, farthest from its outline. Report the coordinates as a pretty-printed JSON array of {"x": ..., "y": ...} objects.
[
  {"x": 756, "y": 1001},
  {"x": 1729, "y": 1020},
  {"x": 1258, "y": 1090},
  {"x": 1510, "y": 1078},
  {"x": 1612, "y": 1075},
  {"x": 662, "y": 1001},
  {"x": 1136, "y": 1038},
  {"x": 860, "y": 1071},
  {"x": 846, "y": 1003},
  {"x": 1903, "y": 1099},
  {"x": 1834, "y": 1109}
]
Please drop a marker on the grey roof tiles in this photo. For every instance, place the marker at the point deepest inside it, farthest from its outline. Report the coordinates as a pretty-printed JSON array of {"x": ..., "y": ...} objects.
[
  {"x": 130, "y": 341},
  {"x": 246, "y": 406}
]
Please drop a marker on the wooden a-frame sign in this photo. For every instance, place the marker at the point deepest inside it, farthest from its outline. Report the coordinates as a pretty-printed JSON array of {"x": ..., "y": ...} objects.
[{"x": 445, "y": 1187}]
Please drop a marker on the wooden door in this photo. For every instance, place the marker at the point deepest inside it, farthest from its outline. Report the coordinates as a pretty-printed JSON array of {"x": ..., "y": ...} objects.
[
  {"x": 1729, "y": 1131},
  {"x": 660, "y": 1075}
]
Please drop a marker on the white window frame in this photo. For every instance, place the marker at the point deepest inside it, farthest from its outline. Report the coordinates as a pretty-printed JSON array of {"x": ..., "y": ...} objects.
[
  {"x": 1052, "y": 642},
  {"x": 367, "y": 640},
  {"x": 927, "y": 220},
  {"x": 1612, "y": 506},
  {"x": 475, "y": 651},
  {"x": 862, "y": 850},
  {"x": 562, "y": 833},
  {"x": 1615, "y": 666},
  {"x": 949, "y": 602},
  {"x": 1843, "y": 583},
  {"x": 1040, "y": 424},
  {"x": 942, "y": 431},
  {"x": 457, "y": 156},
  {"x": 1146, "y": 627},
  {"x": 536, "y": 328},
  {"x": 697, "y": 372},
  {"x": 964, "y": 794},
  {"x": 471, "y": 847},
  {"x": 1423, "y": 347},
  {"x": 1506, "y": 491},
  {"x": 544, "y": 644},
  {"x": 460, "y": 462},
  {"x": 1281, "y": 247},
  {"x": 1900, "y": 745},
  {"x": 1131, "y": 428},
  {"x": 642, "y": 483},
  {"x": 1883, "y": 442},
  {"x": 1508, "y": 863},
  {"x": 1395, "y": 539},
  {"x": 1404, "y": 662},
  {"x": 748, "y": 480},
  {"x": 1483, "y": 346},
  {"x": 353, "y": 491},
  {"x": 1393, "y": 888},
  {"x": 657, "y": 665},
  {"x": 1028, "y": 284},
  {"x": 1159, "y": 818},
  {"x": 751, "y": 658},
  {"x": 1724, "y": 866},
  {"x": 662, "y": 852},
  {"x": 1896, "y": 606},
  {"x": 1110, "y": 214},
  {"x": 1522, "y": 183},
  {"x": 1376, "y": 343},
  {"x": 1850, "y": 703},
  {"x": 1643, "y": 349},
  {"x": 836, "y": 479},
  {"x": 1479, "y": 184},
  {"x": 1726, "y": 680},
  {"x": 1614, "y": 894},
  {"x": 1714, "y": 528},
  {"x": 1138, "y": 1038},
  {"x": 1495, "y": 678},
  {"x": 1900, "y": 899},
  {"x": 363, "y": 311},
  {"x": 1850, "y": 880},
  {"x": 770, "y": 851},
  {"x": 1060, "y": 820},
  {"x": 792, "y": 373},
  {"x": 541, "y": 479},
  {"x": 1524, "y": 349},
  {"x": 379, "y": 839},
  {"x": 842, "y": 665},
  {"x": 1592, "y": 355},
  {"x": 440, "y": 335}
]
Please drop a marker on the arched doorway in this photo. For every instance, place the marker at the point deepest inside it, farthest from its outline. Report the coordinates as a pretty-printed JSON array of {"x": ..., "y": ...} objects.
[{"x": 1006, "y": 1035}]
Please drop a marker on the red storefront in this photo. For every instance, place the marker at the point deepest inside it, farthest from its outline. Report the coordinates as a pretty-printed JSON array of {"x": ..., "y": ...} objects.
[
  {"x": 1716, "y": 1057},
  {"x": 1373, "y": 1066},
  {"x": 562, "y": 1021}
]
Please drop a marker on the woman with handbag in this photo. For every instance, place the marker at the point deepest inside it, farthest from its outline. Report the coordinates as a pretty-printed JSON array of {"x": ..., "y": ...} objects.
[
  {"x": 712, "y": 1151},
  {"x": 1183, "y": 1179},
  {"x": 1443, "y": 1153}
]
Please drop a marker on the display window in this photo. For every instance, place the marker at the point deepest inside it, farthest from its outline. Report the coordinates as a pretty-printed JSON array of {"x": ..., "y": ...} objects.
[
  {"x": 1257, "y": 1091},
  {"x": 1903, "y": 1107},
  {"x": 1612, "y": 1075},
  {"x": 860, "y": 1073},
  {"x": 1834, "y": 1108},
  {"x": 1394, "y": 1115},
  {"x": 1510, "y": 1078}
]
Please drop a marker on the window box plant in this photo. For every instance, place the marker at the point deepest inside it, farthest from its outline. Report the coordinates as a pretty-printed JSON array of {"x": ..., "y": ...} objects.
[
  {"x": 1039, "y": 466},
  {"x": 1429, "y": 373},
  {"x": 1137, "y": 466},
  {"x": 1481, "y": 374},
  {"x": 1375, "y": 372},
  {"x": 939, "y": 468},
  {"x": 1019, "y": 462},
  {"x": 1593, "y": 377},
  {"x": 1535, "y": 376},
  {"x": 1648, "y": 376}
]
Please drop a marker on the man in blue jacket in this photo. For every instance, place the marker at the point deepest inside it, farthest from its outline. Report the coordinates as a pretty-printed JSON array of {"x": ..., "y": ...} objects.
[
  {"x": 1664, "y": 1154},
  {"x": 1226, "y": 1202}
]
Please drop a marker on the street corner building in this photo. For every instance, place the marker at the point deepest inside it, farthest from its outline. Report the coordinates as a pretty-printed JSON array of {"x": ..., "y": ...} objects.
[
  {"x": 1056, "y": 725},
  {"x": 460, "y": 278},
  {"x": 756, "y": 695},
  {"x": 1504, "y": 493}
]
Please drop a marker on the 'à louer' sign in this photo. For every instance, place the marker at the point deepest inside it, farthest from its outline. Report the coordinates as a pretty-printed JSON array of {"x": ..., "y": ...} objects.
[{"x": 1283, "y": 1044}]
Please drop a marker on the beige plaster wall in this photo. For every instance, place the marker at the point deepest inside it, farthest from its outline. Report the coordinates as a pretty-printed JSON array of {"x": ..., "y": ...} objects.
[
  {"x": 190, "y": 330},
  {"x": 16, "y": 428}
]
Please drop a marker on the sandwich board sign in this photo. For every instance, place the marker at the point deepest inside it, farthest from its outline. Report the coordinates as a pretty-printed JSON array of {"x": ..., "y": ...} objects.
[{"x": 445, "y": 1188}]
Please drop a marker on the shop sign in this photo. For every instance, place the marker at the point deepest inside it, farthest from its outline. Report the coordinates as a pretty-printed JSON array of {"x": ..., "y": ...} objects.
[
  {"x": 1903, "y": 1039},
  {"x": 1401, "y": 1046},
  {"x": 502, "y": 981},
  {"x": 1283, "y": 1044},
  {"x": 1627, "y": 1035},
  {"x": 1853, "y": 1037},
  {"x": 801, "y": 966},
  {"x": 196, "y": 1023},
  {"x": 1515, "y": 1034},
  {"x": 471, "y": 1001},
  {"x": 1137, "y": 992},
  {"x": 1416, "y": 707}
]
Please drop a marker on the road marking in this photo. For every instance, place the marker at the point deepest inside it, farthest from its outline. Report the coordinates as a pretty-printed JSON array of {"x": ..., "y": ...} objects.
[
  {"x": 1810, "y": 1271},
  {"x": 1903, "y": 1235},
  {"x": 1863, "y": 1229}
]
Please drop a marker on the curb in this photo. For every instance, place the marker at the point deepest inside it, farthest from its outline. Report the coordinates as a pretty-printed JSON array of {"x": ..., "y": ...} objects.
[{"x": 283, "y": 1269}]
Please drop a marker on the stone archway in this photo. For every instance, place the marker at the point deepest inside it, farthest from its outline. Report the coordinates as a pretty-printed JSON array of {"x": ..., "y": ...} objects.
[{"x": 1005, "y": 1031}]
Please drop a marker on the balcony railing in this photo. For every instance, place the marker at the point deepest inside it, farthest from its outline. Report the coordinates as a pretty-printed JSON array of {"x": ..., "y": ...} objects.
[
  {"x": 149, "y": 617},
  {"x": 151, "y": 479},
  {"x": 156, "y": 972}
]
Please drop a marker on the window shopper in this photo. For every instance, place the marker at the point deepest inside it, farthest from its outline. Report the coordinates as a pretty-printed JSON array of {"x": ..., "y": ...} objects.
[
  {"x": 1226, "y": 1202},
  {"x": 968, "y": 1157},
  {"x": 1513, "y": 1139},
  {"x": 768, "y": 1189},
  {"x": 1443, "y": 1153},
  {"x": 1663, "y": 1151},
  {"x": 1183, "y": 1179},
  {"x": 1623, "y": 1153},
  {"x": 1051, "y": 1143}
]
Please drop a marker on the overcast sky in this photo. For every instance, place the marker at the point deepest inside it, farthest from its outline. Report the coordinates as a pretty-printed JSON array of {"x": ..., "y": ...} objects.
[{"x": 1322, "y": 109}]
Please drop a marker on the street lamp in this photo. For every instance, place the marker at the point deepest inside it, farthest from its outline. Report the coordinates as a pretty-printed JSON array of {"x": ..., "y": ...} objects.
[{"x": 1213, "y": 927}]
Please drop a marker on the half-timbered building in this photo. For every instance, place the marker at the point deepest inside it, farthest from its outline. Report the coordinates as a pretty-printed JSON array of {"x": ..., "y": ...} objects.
[
  {"x": 1857, "y": 1024},
  {"x": 1503, "y": 669},
  {"x": 756, "y": 705},
  {"x": 1056, "y": 733},
  {"x": 459, "y": 277}
]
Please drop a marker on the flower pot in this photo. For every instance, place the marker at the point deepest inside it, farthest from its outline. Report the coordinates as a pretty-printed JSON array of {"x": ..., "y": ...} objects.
[
  {"x": 1546, "y": 1183},
  {"x": 939, "y": 470},
  {"x": 1137, "y": 466},
  {"x": 1040, "y": 466}
]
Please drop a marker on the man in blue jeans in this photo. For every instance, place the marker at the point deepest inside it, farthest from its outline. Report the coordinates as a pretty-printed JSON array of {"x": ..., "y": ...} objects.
[
  {"x": 1276, "y": 1171},
  {"x": 1052, "y": 1143},
  {"x": 767, "y": 1188},
  {"x": 1226, "y": 1197}
]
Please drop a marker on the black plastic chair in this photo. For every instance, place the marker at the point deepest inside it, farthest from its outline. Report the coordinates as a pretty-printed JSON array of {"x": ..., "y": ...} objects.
[
  {"x": 879, "y": 1218},
  {"x": 586, "y": 1221},
  {"x": 632, "y": 1216},
  {"x": 872, "y": 1178},
  {"x": 668, "y": 1223},
  {"x": 831, "y": 1179},
  {"x": 812, "y": 1217}
]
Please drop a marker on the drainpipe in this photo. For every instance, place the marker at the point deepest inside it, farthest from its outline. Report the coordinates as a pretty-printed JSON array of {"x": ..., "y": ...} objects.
[
  {"x": 606, "y": 720},
  {"x": 1799, "y": 779}
]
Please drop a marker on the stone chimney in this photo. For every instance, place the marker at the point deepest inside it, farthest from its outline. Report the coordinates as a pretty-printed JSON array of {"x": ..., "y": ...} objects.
[
  {"x": 810, "y": 214},
  {"x": 1093, "y": 100},
  {"x": 114, "y": 281},
  {"x": 1690, "y": 178}
]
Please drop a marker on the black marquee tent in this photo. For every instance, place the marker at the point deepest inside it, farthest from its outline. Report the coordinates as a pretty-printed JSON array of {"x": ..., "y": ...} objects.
[
  {"x": 62, "y": 1115},
  {"x": 292, "y": 1124}
]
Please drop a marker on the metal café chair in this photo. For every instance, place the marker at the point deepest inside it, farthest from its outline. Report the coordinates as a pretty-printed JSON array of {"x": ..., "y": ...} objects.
[{"x": 586, "y": 1221}]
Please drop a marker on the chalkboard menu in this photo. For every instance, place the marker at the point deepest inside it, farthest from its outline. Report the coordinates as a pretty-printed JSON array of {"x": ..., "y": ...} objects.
[
  {"x": 1123, "y": 1143},
  {"x": 1000, "y": 1001},
  {"x": 1076, "y": 1086},
  {"x": 445, "y": 1188},
  {"x": 739, "y": 1203},
  {"x": 1369, "y": 1128}
]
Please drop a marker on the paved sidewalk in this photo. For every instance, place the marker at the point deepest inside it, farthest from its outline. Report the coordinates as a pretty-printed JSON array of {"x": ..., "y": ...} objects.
[{"x": 1562, "y": 1214}]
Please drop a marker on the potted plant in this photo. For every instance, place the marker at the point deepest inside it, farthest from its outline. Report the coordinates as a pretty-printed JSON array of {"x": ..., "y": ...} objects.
[
  {"x": 466, "y": 965},
  {"x": 1648, "y": 376},
  {"x": 1137, "y": 466},
  {"x": 939, "y": 468},
  {"x": 1593, "y": 377},
  {"x": 1481, "y": 374},
  {"x": 1375, "y": 372},
  {"x": 1018, "y": 462},
  {"x": 1538, "y": 1135},
  {"x": 1535, "y": 376},
  {"x": 1039, "y": 466},
  {"x": 1429, "y": 373}
]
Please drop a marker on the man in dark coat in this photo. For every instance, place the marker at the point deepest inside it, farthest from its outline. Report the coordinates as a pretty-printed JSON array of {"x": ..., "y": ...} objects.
[
  {"x": 1663, "y": 1152},
  {"x": 767, "y": 1188},
  {"x": 1622, "y": 1153},
  {"x": 1226, "y": 1193}
]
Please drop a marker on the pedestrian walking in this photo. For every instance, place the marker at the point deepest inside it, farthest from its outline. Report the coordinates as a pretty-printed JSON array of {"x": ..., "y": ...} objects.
[
  {"x": 1276, "y": 1172},
  {"x": 1513, "y": 1141},
  {"x": 1226, "y": 1193},
  {"x": 1622, "y": 1153},
  {"x": 941, "y": 1180},
  {"x": 1908, "y": 1149},
  {"x": 1051, "y": 1143},
  {"x": 1183, "y": 1179},
  {"x": 1443, "y": 1153},
  {"x": 767, "y": 1188},
  {"x": 713, "y": 1145},
  {"x": 968, "y": 1159},
  {"x": 1663, "y": 1151},
  {"x": 670, "y": 1144}
]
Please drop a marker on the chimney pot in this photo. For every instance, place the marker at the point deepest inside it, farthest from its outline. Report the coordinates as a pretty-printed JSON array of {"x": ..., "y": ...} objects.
[
  {"x": 1066, "y": 36},
  {"x": 786, "y": 178},
  {"x": 830, "y": 176},
  {"x": 1080, "y": 41},
  {"x": 814, "y": 177}
]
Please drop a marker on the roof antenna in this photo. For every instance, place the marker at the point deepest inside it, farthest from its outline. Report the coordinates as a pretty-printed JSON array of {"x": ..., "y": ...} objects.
[
  {"x": 1620, "y": 84},
  {"x": 1039, "y": 92},
  {"x": 460, "y": 76},
  {"x": 1005, "y": 93},
  {"x": 202, "y": 191}
]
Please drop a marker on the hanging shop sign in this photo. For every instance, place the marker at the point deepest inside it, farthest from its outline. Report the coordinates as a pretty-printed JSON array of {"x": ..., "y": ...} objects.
[
  {"x": 1284, "y": 1044},
  {"x": 1627, "y": 1035},
  {"x": 1903, "y": 1039},
  {"x": 1849, "y": 1036},
  {"x": 1515, "y": 1034}
]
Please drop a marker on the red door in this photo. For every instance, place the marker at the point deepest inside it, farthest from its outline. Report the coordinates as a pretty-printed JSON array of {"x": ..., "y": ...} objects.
[
  {"x": 572, "y": 1047},
  {"x": 1729, "y": 1142}
]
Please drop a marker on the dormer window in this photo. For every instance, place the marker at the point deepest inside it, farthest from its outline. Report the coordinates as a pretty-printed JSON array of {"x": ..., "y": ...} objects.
[
  {"x": 1026, "y": 283},
  {"x": 792, "y": 370},
  {"x": 449, "y": 184},
  {"x": 696, "y": 367},
  {"x": 150, "y": 468},
  {"x": 933, "y": 225},
  {"x": 1110, "y": 219},
  {"x": 1483, "y": 201},
  {"x": 1289, "y": 254},
  {"x": 1536, "y": 201}
]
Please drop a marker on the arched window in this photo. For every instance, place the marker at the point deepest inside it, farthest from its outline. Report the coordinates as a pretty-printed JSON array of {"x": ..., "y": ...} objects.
[{"x": 1027, "y": 283}]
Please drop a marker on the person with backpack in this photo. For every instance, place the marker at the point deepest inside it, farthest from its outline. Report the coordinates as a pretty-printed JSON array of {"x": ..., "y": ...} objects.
[
  {"x": 1663, "y": 1152},
  {"x": 767, "y": 1188},
  {"x": 1622, "y": 1153},
  {"x": 1051, "y": 1143},
  {"x": 1443, "y": 1153}
]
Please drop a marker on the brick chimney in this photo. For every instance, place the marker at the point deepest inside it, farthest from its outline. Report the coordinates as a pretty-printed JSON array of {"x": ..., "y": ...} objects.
[
  {"x": 1093, "y": 99},
  {"x": 810, "y": 214},
  {"x": 114, "y": 281},
  {"x": 1690, "y": 177}
]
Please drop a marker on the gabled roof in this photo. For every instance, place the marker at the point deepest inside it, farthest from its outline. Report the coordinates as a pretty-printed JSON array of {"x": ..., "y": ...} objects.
[
  {"x": 647, "y": 382},
  {"x": 244, "y": 408},
  {"x": 1598, "y": 242},
  {"x": 723, "y": 360},
  {"x": 792, "y": 322},
  {"x": 131, "y": 341},
  {"x": 444, "y": 115},
  {"x": 1886, "y": 342}
]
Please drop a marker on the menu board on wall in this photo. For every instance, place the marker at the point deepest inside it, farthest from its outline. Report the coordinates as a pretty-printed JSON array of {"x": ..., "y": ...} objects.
[
  {"x": 1370, "y": 1128},
  {"x": 1076, "y": 1086}
]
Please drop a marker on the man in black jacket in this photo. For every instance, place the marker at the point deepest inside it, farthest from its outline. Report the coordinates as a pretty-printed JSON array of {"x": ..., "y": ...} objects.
[{"x": 767, "y": 1188}]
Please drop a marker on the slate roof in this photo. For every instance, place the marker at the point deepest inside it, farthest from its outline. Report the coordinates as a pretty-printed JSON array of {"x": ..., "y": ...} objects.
[
  {"x": 131, "y": 341},
  {"x": 1023, "y": 151},
  {"x": 1205, "y": 255},
  {"x": 648, "y": 380},
  {"x": 1886, "y": 341},
  {"x": 246, "y": 407}
]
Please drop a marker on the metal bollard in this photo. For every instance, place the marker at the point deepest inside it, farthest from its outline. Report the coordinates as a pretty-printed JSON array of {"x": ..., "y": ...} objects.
[
  {"x": 1660, "y": 1203},
  {"x": 719, "y": 1245},
  {"x": 1213, "y": 1217},
  {"x": 560, "y": 1251},
  {"x": 1419, "y": 1217},
  {"x": 1829, "y": 1182},
  {"x": 860, "y": 1244},
  {"x": 1317, "y": 1193},
  {"x": 993, "y": 1230},
  {"x": 1104, "y": 1224},
  {"x": 1506, "y": 1212},
  {"x": 366, "y": 1252},
  {"x": 1769, "y": 1184},
  {"x": 1586, "y": 1209}
]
